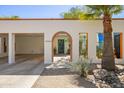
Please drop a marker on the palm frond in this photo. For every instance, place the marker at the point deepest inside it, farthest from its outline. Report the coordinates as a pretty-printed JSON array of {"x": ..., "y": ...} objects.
[
  {"x": 116, "y": 9},
  {"x": 92, "y": 11}
]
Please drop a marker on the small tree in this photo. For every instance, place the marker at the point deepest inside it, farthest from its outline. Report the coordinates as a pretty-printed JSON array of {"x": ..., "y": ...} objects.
[{"x": 10, "y": 17}]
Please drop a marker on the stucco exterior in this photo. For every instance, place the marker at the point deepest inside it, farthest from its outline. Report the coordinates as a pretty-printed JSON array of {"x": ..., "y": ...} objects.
[
  {"x": 27, "y": 44},
  {"x": 50, "y": 27}
]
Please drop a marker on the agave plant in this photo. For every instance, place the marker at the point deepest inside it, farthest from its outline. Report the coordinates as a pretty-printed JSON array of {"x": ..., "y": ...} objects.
[{"x": 82, "y": 67}]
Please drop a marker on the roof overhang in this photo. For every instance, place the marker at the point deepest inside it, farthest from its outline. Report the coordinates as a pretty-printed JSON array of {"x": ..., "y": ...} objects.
[{"x": 51, "y": 19}]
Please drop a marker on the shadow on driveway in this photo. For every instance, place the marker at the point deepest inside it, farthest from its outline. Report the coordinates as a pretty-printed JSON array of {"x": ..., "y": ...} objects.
[
  {"x": 25, "y": 65},
  {"x": 61, "y": 78}
]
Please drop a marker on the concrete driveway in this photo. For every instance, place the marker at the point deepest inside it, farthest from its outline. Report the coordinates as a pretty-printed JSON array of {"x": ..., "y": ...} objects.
[{"x": 23, "y": 74}]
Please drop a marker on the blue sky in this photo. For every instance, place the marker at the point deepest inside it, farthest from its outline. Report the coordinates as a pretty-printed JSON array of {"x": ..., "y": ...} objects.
[{"x": 42, "y": 11}]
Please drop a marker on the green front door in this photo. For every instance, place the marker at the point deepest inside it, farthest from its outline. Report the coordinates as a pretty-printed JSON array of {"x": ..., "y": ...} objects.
[{"x": 61, "y": 46}]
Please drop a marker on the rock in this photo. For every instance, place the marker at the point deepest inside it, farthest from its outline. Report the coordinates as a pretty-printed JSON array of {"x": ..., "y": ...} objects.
[
  {"x": 107, "y": 79},
  {"x": 122, "y": 73},
  {"x": 121, "y": 78},
  {"x": 121, "y": 67},
  {"x": 98, "y": 85},
  {"x": 116, "y": 85},
  {"x": 113, "y": 80},
  {"x": 104, "y": 85},
  {"x": 91, "y": 78},
  {"x": 111, "y": 73},
  {"x": 99, "y": 81},
  {"x": 103, "y": 82},
  {"x": 122, "y": 85},
  {"x": 100, "y": 73},
  {"x": 113, "y": 85},
  {"x": 110, "y": 79}
]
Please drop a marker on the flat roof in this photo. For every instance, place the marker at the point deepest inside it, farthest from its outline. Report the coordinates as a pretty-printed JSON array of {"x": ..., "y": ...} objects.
[{"x": 51, "y": 19}]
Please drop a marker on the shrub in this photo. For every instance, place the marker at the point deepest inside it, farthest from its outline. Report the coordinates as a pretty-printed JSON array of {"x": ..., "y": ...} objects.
[
  {"x": 99, "y": 52},
  {"x": 82, "y": 66}
]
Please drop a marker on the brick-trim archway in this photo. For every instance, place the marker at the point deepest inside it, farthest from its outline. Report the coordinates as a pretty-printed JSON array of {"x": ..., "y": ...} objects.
[{"x": 70, "y": 40}]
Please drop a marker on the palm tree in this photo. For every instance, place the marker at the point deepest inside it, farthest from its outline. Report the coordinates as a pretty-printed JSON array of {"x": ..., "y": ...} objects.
[{"x": 105, "y": 12}]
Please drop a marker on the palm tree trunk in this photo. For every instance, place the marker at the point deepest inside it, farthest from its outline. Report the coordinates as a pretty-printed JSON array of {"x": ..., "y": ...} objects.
[{"x": 108, "y": 61}]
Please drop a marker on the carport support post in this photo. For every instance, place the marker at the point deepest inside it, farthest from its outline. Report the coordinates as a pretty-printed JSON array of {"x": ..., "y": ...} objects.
[{"x": 11, "y": 48}]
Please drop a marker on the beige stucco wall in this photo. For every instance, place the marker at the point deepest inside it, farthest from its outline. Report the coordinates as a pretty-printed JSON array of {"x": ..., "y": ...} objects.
[
  {"x": 29, "y": 45},
  {"x": 73, "y": 27}
]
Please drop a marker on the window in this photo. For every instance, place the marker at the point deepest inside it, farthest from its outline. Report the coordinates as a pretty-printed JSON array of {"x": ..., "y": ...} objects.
[
  {"x": 83, "y": 45},
  {"x": 117, "y": 45},
  {"x": 99, "y": 47}
]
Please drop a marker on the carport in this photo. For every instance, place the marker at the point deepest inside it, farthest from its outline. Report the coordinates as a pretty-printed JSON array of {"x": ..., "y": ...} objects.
[{"x": 16, "y": 48}]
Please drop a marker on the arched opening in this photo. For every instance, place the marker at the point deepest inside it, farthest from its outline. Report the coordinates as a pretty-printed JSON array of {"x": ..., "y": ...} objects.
[{"x": 62, "y": 47}]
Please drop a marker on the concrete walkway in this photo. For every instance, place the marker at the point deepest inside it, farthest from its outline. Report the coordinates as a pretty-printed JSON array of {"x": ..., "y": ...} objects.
[
  {"x": 23, "y": 74},
  {"x": 59, "y": 76}
]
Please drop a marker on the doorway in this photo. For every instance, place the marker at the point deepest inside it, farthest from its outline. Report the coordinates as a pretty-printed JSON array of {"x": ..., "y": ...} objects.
[{"x": 62, "y": 47}]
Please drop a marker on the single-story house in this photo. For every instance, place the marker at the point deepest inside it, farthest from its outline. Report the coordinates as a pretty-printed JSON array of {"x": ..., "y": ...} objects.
[{"x": 57, "y": 38}]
